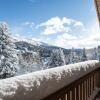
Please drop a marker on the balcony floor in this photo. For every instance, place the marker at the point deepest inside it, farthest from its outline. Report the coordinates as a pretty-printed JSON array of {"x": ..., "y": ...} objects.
[{"x": 98, "y": 96}]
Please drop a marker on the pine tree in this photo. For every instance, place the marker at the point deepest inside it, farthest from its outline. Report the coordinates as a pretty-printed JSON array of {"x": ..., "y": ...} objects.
[
  {"x": 84, "y": 57},
  {"x": 72, "y": 59},
  {"x": 95, "y": 54},
  {"x": 29, "y": 61},
  {"x": 8, "y": 57},
  {"x": 62, "y": 56},
  {"x": 56, "y": 58}
]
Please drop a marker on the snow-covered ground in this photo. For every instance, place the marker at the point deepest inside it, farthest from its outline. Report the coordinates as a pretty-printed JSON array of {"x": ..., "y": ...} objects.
[{"x": 37, "y": 85}]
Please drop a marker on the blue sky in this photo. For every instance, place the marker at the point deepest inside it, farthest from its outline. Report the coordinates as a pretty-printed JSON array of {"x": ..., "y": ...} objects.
[
  {"x": 16, "y": 11},
  {"x": 58, "y": 22}
]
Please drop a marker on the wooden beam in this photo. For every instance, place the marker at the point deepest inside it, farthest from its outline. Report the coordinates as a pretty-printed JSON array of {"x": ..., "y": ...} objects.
[{"x": 97, "y": 5}]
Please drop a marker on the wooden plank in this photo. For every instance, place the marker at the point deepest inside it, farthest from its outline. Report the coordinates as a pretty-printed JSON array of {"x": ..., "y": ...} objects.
[
  {"x": 97, "y": 0},
  {"x": 93, "y": 82},
  {"x": 98, "y": 3},
  {"x": 77, "y": 93},
  {"x": 86, "y": 89},
  {"x": 81, "y": 97},
  {"x": 68, "y": 95},
  {"x": 73, "y": 94},
  {"x": 63, "y": 97},
  {"x": 97, "y": 10},
  {"x": 90, "y": 86}
]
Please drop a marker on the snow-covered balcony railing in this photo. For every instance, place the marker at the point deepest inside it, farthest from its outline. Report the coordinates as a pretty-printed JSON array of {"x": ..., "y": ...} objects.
[{"x": 71, "y": 82}]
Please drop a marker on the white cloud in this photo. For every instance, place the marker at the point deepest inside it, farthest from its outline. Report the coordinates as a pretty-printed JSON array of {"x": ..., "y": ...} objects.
[
  {"x": 67, "y": 21},
  {"x": 29, "y": 24},
  {"x": 56, "y": 21},
  {"x": 58, "y": 25},
  {"x": 66, "y": 36},
  {"x": 90, "y": 39},
  {"x": 78, "y": 23},
  {"x": 54, "y": 25},
  {"x": 70, "y": 32}
]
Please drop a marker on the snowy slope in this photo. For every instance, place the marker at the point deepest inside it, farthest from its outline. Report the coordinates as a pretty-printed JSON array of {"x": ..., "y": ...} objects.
[
  {"x": 34, "y": 55},
  {"x": 37, "y": 85}
]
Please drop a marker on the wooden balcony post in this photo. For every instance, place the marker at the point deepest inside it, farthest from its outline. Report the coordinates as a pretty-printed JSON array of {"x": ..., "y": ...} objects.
[
  {"x": 90, "y": 85},
  {"x": 98, "y": 78},
  {"x": 68, "y": 95},
  {"x": 93, "y": 82},
  {"x": 73, "y": 94},
  {"x": 86, "y": 89},
  {"x": 80, "y": 95},
  {"x": 63, "y": 97},
  {"x": 77, "y": 92}
]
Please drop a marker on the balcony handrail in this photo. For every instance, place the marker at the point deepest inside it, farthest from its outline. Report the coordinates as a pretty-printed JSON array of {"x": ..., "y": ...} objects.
[
  {"x": 47, "y": 83},
  {"x": 84, "y": 88}
]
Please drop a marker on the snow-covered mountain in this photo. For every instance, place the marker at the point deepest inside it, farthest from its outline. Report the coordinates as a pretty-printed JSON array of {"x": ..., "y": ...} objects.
[
  {"x": 35, "y": 55},
  {"x": 43, "y": 55},
  {"x": 19, "y": 55},
  {"x": 47, "y": 54}
]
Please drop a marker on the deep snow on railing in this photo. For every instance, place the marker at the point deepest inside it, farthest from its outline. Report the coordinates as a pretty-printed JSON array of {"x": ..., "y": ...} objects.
[{"x": 40, "y": 84}]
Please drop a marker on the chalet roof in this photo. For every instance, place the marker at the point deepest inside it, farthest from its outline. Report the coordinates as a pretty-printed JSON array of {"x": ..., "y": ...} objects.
[{"x": 97, "y": 4}]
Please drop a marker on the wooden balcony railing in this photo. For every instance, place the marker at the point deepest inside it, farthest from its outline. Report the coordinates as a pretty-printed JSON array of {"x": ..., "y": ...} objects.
[
  {"x": 79, "y": 81},
  {"x": 85, "y": 88}
]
